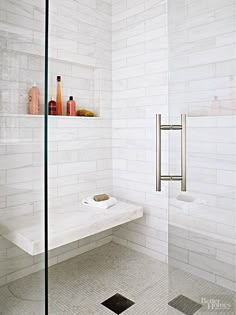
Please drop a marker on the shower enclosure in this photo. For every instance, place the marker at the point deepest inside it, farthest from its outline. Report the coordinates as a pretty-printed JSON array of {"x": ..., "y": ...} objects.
[{"x": 160, "y": 78}]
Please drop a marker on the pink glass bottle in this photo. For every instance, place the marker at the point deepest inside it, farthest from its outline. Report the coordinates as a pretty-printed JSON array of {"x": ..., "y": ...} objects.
[
  {"x": 34, "y": 100},
  {"x": 71, "y": 107}
]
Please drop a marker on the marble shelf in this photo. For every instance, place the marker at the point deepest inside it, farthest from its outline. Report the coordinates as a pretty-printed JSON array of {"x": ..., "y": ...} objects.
[
  {"x": 49, "y": 116},
  {"x": 66, "y": 224}
]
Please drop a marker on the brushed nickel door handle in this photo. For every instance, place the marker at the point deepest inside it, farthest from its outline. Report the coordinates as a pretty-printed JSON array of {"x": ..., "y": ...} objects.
[
  {"x": 183, "y": 153},
  {"x": 158, "y": 152},
  {"x": 159, "y": 176}
]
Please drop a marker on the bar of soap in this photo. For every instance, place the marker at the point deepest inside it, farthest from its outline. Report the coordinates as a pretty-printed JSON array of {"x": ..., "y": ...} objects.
[
  {"x": 101, "y": 197},
  {"x": 86, "y": 113}
]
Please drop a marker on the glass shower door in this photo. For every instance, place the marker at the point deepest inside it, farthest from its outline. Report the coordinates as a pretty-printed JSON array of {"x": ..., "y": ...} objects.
[
  {"x": 22, "y": 131},
  {"x": 201, "y": 220}
]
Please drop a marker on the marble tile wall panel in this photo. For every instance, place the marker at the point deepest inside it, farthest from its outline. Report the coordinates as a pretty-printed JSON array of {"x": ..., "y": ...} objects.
[{"x": 140, "y": 81}]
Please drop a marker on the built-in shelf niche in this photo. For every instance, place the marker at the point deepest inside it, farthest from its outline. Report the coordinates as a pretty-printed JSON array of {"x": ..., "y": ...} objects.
[
  {"x": 29, "y": 68},
  {"x": 81, "y": 80}
]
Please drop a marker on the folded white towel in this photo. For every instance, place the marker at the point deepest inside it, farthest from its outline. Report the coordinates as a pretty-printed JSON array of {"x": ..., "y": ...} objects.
[{"x": 100, "y": 204}]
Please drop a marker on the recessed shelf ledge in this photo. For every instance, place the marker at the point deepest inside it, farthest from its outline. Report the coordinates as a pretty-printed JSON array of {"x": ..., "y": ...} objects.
[{"x": 49, "y": 116}]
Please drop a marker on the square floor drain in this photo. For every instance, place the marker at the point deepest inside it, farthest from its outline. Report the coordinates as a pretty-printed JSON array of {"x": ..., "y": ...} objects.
[
  {"x": 118, "y": 303},
  {"x": 185, "y": 305}
]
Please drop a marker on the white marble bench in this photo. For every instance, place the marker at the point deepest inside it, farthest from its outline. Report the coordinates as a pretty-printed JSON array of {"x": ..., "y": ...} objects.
[{"x": 66, "y": 225}]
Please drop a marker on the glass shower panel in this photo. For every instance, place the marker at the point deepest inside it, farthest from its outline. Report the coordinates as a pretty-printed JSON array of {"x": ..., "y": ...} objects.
[
  {"x": 202, "y": 220},
  {"x": 22, "y": 64}
]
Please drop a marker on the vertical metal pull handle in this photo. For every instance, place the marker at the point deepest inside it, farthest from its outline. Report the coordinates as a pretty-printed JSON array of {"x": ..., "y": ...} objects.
[
  {"x": 183, "y": 153},
  {"x": 182, "y": 177},
  {"x": 158, "y": 152}
]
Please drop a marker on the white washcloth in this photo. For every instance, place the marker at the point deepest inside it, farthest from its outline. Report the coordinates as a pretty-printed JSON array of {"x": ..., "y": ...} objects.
[{"x": 100, "y": 204}]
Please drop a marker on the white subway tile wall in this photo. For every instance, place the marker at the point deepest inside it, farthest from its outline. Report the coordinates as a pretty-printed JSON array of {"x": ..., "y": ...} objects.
[{"x": 140, "y": 91}]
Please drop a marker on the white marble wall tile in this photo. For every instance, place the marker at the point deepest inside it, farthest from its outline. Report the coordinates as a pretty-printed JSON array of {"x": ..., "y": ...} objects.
[
  {"x": 187, "y": 244},
  {"x": 157, "y": 245},
  {"x": 130, "y": 236},
  {"x": 146, "y": 251},
  {"x": 219, "y": 268},
  {"x": 199, "y": 272},
  {"x": 211, "y": 241}
]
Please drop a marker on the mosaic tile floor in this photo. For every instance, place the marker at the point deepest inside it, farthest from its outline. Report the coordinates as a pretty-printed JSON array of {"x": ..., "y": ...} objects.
[{"x": 78, "y": 286}]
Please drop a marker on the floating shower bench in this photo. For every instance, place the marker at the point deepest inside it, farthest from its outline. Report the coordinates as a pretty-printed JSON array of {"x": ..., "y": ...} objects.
[{"x": 66, "y": 224}]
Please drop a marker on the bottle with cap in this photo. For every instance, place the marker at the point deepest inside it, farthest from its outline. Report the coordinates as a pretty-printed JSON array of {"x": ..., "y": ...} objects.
[
  {"x": 34, "y": 100},
  {"x": 71, "y": 107},
  {"x": 52, "y": 107},
  {"x": 58, "y": 98}
]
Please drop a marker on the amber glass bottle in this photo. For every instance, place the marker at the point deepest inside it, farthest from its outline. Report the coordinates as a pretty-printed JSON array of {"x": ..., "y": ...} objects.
[
  {"x": 58, "y": 98},
  {"x": 52, "y": 107}
]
